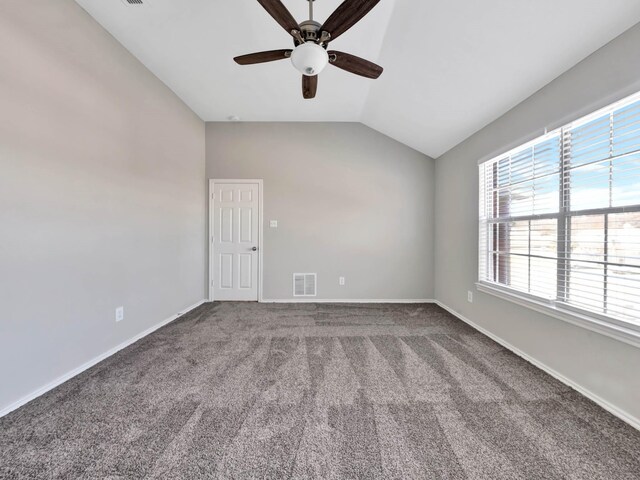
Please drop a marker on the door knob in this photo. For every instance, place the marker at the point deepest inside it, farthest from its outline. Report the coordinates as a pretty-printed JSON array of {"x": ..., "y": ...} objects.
[{"x": 255, "y": 249}]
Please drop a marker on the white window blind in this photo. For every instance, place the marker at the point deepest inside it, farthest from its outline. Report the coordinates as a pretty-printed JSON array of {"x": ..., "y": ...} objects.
[{"x": 560, "y": 216}]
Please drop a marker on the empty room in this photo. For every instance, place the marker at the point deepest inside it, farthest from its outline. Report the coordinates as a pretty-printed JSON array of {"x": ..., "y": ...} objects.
[{"x": 320, "y": 239}]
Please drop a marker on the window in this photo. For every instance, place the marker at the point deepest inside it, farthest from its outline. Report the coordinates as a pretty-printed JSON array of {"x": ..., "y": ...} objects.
[{"x": 560, "y": 218}]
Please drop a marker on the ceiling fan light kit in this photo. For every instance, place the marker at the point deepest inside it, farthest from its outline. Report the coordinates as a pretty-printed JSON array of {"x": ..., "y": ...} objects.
[
  {"x": 309, "y": 58},
  {"x": 311, "y": 39}
]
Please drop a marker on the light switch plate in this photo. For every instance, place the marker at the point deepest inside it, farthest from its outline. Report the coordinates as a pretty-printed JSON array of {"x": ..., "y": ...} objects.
[{"x": 273, "y": 223}]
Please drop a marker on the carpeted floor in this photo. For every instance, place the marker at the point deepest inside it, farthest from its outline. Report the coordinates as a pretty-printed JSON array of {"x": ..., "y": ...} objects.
[{"x": 316, "y": 391}]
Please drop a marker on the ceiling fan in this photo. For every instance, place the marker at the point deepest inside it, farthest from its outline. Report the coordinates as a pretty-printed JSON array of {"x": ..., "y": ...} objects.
[{"x": 311, "y": 39}]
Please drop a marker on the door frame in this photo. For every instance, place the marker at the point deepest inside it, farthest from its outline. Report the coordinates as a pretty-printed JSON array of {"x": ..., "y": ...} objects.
[{"x": 211, "y": 206}]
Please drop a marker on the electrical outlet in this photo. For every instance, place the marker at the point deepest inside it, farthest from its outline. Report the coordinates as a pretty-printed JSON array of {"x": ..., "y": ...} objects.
[
  {"x": 119, "y": 314},
  {"x": 273, "y": 224},
  {"x": 341, "y": 280},
  {"x": 470, "y": 296}
]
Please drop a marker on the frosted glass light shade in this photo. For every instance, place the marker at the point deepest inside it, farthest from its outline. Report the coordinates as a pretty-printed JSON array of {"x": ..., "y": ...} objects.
[{"x": 309, "y": 58}]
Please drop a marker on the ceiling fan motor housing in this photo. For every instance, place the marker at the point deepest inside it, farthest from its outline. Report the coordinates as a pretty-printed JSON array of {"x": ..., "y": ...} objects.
[{"x": 310, "y": 30}]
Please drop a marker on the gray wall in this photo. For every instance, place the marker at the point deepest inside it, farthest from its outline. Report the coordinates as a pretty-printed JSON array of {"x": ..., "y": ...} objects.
[
  {"x": 102, "y": 189},
  {"x": 602, "y": 365},
  {"x": 349, "y": 201}
]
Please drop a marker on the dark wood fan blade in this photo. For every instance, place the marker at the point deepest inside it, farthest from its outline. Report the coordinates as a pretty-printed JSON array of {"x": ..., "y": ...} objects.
[
  {"x": 346, "y": 16},
  {"x": 262, "y": 57},
  {"x": 280, "y": 14},
  {"x": 354, "y": 64},
  {"x": 309, "y": 86}
]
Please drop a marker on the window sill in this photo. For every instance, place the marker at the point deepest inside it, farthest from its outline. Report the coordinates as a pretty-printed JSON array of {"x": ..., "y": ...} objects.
[{"x": 629, "y": 334}]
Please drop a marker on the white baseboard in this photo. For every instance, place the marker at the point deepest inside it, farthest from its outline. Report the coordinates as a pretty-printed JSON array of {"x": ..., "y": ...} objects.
[
  {"x": 343, "y": 300},
  {"x": 76, "y": 371},
  {"x": 621, "y": 414}
]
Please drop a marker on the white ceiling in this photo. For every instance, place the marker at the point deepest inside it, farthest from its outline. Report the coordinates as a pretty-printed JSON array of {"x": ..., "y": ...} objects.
[{"x": 451, "y": 67}]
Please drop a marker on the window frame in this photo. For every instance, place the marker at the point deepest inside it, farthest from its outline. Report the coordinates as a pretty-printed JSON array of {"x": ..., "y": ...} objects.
[{"x": 557, "y": 307}]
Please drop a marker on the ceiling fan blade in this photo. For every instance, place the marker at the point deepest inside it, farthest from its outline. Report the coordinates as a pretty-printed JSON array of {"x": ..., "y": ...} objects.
[
  {"x": 262, "y": 57},
  {"x": 346, "y": 16},
  {"x": 280, "y": 14},
  {"x": 309, "y": 86},
  {"x": 354, "y": 64}
]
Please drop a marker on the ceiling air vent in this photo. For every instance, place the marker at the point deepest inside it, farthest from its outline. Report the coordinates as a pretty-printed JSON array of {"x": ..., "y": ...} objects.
[
  {"x": 135, "y": 2},
  {"x": 304, "y": 284}
]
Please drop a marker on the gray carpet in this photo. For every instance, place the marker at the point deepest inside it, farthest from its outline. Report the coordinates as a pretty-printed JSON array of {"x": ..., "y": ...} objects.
[{"x": 316, "y": 391}]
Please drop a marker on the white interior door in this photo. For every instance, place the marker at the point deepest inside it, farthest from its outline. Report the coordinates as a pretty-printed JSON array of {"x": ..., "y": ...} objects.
[{"x": 235, "y": 240}]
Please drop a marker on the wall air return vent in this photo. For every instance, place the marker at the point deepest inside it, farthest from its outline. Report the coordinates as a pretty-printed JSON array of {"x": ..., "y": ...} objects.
[{"x": 304, "y": 284}]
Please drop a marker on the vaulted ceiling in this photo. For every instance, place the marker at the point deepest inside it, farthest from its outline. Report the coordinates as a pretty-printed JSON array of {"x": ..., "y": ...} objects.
[{"x": 451, "y": 66}]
